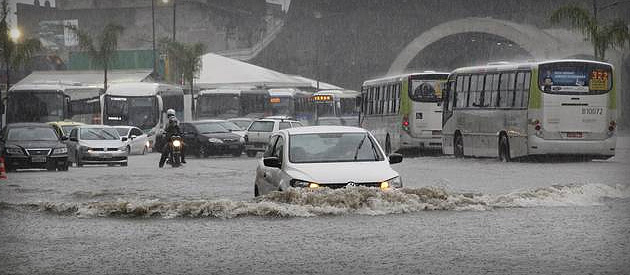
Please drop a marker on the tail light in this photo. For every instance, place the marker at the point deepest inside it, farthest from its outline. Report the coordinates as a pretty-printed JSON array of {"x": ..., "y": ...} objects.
[
  {"x": 537, "y": 126},
  {"x": 405, "y": 123}
]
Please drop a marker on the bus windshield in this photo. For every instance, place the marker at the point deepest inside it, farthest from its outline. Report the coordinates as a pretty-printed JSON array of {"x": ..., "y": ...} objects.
[
  {"x": 325, "y": 109},
  {"x": 133, "y": 111},
  {"x": 575, "y": 78},
  {"x": 281, "y": 106},
  {"x": 35, "y": 106},
  {"x": 219, "y": 105},
  {"x": 424, "y": 90}
]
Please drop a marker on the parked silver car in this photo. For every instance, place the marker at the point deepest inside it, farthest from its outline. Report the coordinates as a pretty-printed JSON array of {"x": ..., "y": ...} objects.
[
  {"x": 97, "y": 144},
  {"x": 137, "y": 141}
]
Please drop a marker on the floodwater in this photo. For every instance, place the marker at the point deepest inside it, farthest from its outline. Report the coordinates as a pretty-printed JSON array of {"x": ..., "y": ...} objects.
[{"x": 470, "y": 216}]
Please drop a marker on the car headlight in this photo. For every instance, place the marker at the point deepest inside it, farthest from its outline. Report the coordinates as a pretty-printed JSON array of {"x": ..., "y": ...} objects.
[
  {"x": 147, "y": 144},
  {"x": 15, "y": 151},
  {"x": 59, "y": 151},
  {"x": 215, "y": 140},
  {"x": 241, "y": 140},
  {"x": 303, "y": 184},
  {"x": 391, "y": 183},
  {"x": 123, "y": 148}
]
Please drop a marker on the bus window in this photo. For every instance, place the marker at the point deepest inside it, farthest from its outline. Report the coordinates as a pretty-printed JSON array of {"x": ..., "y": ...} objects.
[
  {"x": 490, "y": 90},
  {"x": 476, "y": 86},
  {"x": 425, "y": 90},
  {"x": 518, "y": 92},
  {"x": 525, "y": 95},
  {"x": 504, "y": 88}
]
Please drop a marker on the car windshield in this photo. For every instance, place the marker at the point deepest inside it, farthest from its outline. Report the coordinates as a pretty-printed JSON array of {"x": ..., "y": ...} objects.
[
  {"x": 230, "y": 126},
  {"x": 122, "y": 131},
  {"x": 243, "y": 124},
  {"x": 31, "y": 133},
  {"x": 333, "y": 147},
  {"x": 99, "y": 134},
  {"x": 210, "y": 127},
  {"x": 261, "y": 126},
  {"x": 67, "y": 128}
]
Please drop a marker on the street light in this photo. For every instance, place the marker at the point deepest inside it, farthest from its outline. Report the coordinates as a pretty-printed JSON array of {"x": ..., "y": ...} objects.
[
  {"x": 153, "y": 25},
  {"x": 15, "y": 34}
]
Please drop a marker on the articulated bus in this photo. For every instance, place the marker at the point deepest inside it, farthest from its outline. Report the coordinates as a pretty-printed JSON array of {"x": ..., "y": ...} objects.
[
  {"x": 46, "y": 102},
  {"x": 142, "y": 105},
  {"x": 404, "y": 111},
  {"x": 336, "y": 107},
  {"x": 231, "y": 103},
  {"x": 562, "y": 107}
]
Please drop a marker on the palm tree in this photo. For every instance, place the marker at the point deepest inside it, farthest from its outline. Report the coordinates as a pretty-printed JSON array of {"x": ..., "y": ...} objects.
[
  {"x": 103, "y": 52},
  {"x": 186, "y": 59},
  {"x": 14, "y": 54},
  {"x": 603, "y": 36}
]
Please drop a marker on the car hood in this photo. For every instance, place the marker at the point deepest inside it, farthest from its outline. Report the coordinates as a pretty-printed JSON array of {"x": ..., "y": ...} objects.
[
  {"x": 114, "y": 143},
  {"x": 342, "y": 172},
  {"x": 222, "y": 136},
  {"x": 35, "y": 144}
]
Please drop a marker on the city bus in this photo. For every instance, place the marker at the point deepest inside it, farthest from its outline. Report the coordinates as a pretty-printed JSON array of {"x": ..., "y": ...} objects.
[
  {"x": 47, "y": 102},
  {"x": 336, "y": 107},
  {"x": 290, "y": 103},
  {"x": 231, "y": 103},
  {"x": 143, "y": 105},
  {"x": 404, "y": 111},
  {"x": 561, "y": 107}
]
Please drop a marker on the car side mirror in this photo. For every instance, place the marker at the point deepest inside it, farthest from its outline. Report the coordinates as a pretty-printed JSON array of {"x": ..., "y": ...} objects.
[
  {"x": 64, "y": 138},
  {"x": 395, "y": 158},
  {"x": 272, "y": 162},
  {"x": 123, "y": 138},
  {"x": 133, "y": 136},
  {"x": 74, "y": 139}
]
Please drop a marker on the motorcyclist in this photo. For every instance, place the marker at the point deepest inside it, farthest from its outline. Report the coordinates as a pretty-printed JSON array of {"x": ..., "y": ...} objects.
[{"x": 170, "y": 129}]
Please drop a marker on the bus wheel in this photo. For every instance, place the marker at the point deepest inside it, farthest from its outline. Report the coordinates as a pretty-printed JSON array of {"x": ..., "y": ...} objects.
[
  {"x": 388, "y": 145},
  {"x": 504, "y": 149},
  {"x": 459, "y": 146}
]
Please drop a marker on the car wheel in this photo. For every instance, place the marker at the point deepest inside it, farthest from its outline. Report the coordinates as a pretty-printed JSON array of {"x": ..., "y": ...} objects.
[
  {"x": 78, "y": 160},
  {"x": 459, "y": 146},
  {"x": 202, "y": 152},
  {"x": 504, "y": 149},
  {"x": 144, "y": 150},
  {"x": 128, "y": 150},
  {"x": 251, "y": 154}
]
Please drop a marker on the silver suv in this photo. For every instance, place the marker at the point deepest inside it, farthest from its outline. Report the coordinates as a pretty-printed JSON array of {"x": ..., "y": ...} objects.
[{"x": 259, "y": 132}]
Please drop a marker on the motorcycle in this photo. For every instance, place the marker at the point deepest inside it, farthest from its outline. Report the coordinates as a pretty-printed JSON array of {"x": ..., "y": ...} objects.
[{"x": 175, "y": 145}]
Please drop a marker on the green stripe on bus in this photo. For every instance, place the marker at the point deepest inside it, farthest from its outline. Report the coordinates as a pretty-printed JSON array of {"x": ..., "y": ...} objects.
[
  {"x": 535, "y": 94},
  {"x": 405, "y": 105}
]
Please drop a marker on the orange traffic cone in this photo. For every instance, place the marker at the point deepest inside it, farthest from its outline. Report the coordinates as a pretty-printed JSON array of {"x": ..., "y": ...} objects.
[{"x": 3, "y": 173}]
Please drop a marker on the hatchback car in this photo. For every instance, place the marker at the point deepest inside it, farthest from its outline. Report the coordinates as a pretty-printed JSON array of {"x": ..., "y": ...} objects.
[
  {"x": 137, "y": 141},
  {"x": 97, "y": 144},
  {"x": 33, "y": 145},
  {"x": 325, "y": 156},
  {"x": 207, "y": 137},
  {"x": 259, "y": 132}
]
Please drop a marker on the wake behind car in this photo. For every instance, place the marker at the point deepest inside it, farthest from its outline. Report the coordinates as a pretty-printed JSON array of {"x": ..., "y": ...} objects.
[
  {"x": 33, "y": 145},
  {"x": 325, "y": 156},
  {"x": 207, "y": 137},
  {"x": 97, "y": 144}
]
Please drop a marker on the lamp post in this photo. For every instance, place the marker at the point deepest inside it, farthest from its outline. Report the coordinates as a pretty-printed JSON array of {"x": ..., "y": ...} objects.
[{"x": 153, "y": 29}]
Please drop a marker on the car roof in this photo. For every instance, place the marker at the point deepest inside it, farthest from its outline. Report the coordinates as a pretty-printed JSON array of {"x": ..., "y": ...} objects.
[
  {"x": 205, "y": 121},
  {"x": 94, "y": 126},
  {"x": 324, "y": 129},
  {"x": 28, "y": 124},
  {"x": 124, "y": 126},
  {"x": 66, "y": 123},
  {"x": 276, "y": 119}
]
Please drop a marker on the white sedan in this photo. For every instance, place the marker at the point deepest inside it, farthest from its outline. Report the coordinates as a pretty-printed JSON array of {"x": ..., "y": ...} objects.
[
  {"x": 137, "y": 141},
  {"x": 324, "y": 156}
]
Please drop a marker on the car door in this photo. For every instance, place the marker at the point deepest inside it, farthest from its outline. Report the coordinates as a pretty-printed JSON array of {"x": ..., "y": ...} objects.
[
  {"x": 137, "y": 140},
  {"x": 270, "y": 174},
  {"x": 73, "y": 144},
  {"x": 190, "y": 137}
]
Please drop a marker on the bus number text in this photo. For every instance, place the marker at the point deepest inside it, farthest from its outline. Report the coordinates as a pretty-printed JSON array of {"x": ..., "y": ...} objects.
[{"x": 592, "y": 111}]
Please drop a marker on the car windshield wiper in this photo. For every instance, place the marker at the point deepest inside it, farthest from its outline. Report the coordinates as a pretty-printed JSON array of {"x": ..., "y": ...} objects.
[{"x": 356, "y": 152}]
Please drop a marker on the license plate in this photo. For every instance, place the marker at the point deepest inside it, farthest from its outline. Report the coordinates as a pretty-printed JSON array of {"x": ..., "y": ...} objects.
[
  {"x": 575, "y": 135},
  {"x": 38, "y": 159}
]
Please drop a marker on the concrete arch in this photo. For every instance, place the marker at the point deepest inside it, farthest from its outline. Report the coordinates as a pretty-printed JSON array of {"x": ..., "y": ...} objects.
[{"x": 538, "y": 43}]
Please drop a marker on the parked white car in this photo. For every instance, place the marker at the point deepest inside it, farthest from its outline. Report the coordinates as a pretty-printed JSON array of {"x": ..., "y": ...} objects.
[
  {"x": 259, "y": 132},
  {"x": 137, "y": 141},
  {"x": 325, "y": 156}
]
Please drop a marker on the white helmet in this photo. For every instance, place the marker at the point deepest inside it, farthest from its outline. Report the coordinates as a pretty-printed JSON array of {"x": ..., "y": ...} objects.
[{"x": 170, "y": 112}]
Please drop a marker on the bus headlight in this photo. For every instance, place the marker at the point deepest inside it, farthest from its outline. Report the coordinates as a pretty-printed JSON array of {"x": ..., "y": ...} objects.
[
  {"x": 215, "y": 140},
  {"x": 391, "y": 183}
]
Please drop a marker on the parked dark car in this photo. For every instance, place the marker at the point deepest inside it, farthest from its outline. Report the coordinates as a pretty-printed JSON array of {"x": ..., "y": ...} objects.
[
  {"x": 207, "y": 137},
  {"x": 33, "y": 145}
]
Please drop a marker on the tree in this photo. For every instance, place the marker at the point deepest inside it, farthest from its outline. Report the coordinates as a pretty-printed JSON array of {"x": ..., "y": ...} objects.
[
  {"x": 603, "y": 36},
  {"x": 186, "y": 59},
  {"x": 102, "y": 51},
  {"x": 14, "y": 53}
]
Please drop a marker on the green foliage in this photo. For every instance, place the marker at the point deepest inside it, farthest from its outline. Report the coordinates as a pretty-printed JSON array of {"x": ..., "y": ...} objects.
[
  {"x": 102, "y": 48},
  {"x": 185, "y": 58},
  {"x": 613, "y": 34},
  {"x": 14, "y": 54}
]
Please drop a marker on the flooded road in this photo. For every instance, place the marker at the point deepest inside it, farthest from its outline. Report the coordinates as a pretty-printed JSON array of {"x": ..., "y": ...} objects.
[{"x": 470, "y": 216}]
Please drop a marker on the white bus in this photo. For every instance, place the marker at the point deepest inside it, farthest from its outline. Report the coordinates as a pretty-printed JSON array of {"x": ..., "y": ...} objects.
[
  {"x": 561, "y": 107},
  {"x": 231, "y": 103},
  {"x": 291, "y": 103},
  {"x": 336, "y": 107},
  {"x": 47, "y": 102},
  {"x": 404, "y": 111},
  {"x": 143, "y": 105}
]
